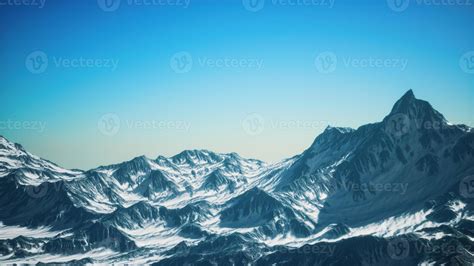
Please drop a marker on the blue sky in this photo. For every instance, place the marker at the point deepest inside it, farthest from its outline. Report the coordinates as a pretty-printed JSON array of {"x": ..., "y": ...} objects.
[{"x": 247, "y": 67}]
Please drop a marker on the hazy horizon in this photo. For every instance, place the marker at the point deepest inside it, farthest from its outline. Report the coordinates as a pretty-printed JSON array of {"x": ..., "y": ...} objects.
[
  {"x": 208, "y": 75},
  {"x": 469, "y": 123}
]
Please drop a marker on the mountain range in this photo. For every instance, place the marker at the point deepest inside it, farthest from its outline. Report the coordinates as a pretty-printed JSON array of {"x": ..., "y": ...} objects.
[{"x": 395, "y": 192}]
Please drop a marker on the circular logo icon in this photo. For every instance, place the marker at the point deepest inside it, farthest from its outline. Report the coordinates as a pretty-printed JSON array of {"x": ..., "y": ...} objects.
[
  {"x": 37, "y": 62},
  {"x": 109, "y": 5},
  {"x": 466, "y": 187},
  {"x": 181, "y": 62},
  {"x": 398, "y": 125},
  {"x": 37, "y": 192},
  {"x": 253, "y": 5},
  {"x": 398, "y": 248},
  {"x": 398, "y": 5},
  {"x": 109, "y": 124},
  {"x": 467, "y": 62},
  {"x": 326, "y": 62},
  {"x": 253, "y": 124}
]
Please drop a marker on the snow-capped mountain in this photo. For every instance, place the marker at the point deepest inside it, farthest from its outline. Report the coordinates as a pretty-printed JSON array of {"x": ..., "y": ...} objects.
[{"x": 394, "y": 192}]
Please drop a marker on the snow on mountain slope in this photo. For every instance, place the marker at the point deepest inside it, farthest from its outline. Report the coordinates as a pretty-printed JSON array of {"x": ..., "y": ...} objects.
[
  {"x": 402, "y": 178},
  {"x": 355, "y": 176},
  {"x": 173, "y": 182},
  {"x": 29, "y": 168}
]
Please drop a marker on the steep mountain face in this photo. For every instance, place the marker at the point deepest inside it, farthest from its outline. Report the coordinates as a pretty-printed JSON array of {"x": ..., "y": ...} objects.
[
  {"x": 216, "y": 181},
  {"x": 399, "y": 191},
  {"x": 381, "y": 169},
  {"x": 257, "y": 209},
  {"x": 32, "y": 190},
  {"x": 27, "y": 168}
]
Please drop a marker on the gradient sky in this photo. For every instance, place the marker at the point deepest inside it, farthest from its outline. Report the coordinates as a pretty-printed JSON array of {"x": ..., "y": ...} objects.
[{"x": 288, "y": 93}]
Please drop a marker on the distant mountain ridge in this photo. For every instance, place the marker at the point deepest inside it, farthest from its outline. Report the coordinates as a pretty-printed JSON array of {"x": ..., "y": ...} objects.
[{"x": 362, "y": 196}]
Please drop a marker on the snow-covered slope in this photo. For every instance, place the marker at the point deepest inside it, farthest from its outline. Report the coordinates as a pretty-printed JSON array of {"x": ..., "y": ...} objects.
[
  {"x": 347, "y": 198},
  {"x": 28, "y": 168}
]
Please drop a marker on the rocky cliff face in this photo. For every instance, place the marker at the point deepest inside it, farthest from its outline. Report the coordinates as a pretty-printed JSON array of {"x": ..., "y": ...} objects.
[{"x": 394, "y": 192}]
